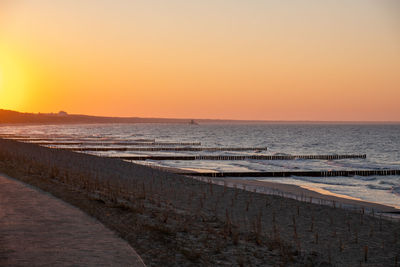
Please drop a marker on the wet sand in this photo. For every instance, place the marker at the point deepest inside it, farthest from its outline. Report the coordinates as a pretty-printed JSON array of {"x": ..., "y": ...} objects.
[{"x": 312, "y": 194}]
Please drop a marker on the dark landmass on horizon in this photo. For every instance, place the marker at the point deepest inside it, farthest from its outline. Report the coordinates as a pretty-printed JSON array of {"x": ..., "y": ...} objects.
[{"x": 14, "y": 117}]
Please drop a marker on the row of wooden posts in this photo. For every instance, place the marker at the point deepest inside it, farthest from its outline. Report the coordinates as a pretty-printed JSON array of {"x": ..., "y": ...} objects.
[
  {"x": 80, "y": 140},
  {"x": 151, "y": 142},
  {"x": 165, "y": 148},
  {"x": 246, "y": 157},
  {"x": 125, "y": 143},
  {"x": 296, "y": 173}
]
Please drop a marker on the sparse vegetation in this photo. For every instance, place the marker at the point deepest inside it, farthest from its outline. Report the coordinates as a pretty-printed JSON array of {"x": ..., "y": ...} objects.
[{"x": 173, "y": 220}]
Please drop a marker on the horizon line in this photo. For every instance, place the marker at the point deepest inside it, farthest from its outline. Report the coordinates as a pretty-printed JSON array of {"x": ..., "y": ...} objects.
[{"x": 219, "y": 119}]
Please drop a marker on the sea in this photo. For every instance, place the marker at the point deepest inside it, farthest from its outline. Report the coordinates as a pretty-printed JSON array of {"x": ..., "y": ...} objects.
[{"x": 380, "y": 143}]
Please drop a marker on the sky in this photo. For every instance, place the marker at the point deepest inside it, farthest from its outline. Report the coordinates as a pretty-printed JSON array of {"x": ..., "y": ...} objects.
[{"x": 257, "y": 59}]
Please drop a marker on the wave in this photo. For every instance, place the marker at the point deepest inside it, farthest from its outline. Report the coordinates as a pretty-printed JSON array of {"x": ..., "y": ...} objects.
[
  {"x": 323, "y": 181},
  {"x": 386, "y": 182},
  {"x": 377, "y": 187},
  {"x": 396, "y": 190},
  {"x": 281, "y": 154},
  {"x": 365, "y": 178}
]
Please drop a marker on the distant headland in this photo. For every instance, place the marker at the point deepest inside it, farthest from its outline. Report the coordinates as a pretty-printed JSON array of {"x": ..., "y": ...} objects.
[{"x": 62, "y": 117}]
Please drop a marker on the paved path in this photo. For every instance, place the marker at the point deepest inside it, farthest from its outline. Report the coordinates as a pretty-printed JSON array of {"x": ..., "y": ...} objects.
[{"x": 37, "y": 229}]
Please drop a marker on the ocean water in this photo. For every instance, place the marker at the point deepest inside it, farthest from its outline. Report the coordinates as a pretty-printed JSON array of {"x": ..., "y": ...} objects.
[{"x": 381, "y": 143}]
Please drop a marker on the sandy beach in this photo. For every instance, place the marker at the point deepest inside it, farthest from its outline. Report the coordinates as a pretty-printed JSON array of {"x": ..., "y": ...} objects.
[
  {"x": 174, "y": 220},
  {"x": 314, "y": 195},
  {"x": 301, "y": 193},
  {"x": 200, "y": 133}
]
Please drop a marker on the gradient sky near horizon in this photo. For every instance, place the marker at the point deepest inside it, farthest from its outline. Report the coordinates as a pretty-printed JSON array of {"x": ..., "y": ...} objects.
[{"x": 268, "y": 60}]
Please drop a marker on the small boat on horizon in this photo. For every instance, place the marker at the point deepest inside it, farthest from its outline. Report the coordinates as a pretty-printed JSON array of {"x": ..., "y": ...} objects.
[{"x": 192, "y": 122}]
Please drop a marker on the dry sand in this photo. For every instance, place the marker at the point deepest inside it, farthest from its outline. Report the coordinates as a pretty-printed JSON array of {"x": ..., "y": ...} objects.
[
  {"x": 314, "y": 195},
  {"x": 172, "y": 220},
  {"x": 301, "y": 193}
]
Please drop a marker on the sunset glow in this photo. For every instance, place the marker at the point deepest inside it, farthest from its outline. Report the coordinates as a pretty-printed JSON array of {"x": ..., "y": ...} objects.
[
  {"x": 13, "y": 82},
  {"x": 261, "y": 60}
]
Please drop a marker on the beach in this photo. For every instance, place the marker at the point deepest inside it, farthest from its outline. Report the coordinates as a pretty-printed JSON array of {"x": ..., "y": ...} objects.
[
  {"x": 316, "y": 196},
  {"x": 199, "y": 133},
  {"x": 179, "y": 221},
  {"x": 316, "y": 150}
]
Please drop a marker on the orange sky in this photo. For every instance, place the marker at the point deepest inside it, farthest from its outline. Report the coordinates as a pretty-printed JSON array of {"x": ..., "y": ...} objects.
[{"x": 271, "y": 60}]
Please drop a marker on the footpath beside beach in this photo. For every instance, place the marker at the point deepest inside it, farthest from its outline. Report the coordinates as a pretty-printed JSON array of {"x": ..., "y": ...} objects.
[
  {"x": 37, "y": 229},
  {"x": 175, "y": 220}
]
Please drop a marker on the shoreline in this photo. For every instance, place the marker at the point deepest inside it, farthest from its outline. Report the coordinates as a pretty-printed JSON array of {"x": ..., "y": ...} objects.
[
  {"x": 315, "y": 195},
  {"x": 289, "y": 190},
  {"x": 173, "y": 220},
  {"x": 300, "y": 193}
]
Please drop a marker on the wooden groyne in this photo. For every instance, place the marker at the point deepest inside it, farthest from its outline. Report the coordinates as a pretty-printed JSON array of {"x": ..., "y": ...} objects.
[
  {"x": 109, "y": 143},
  {"x": 164, "y": 148},
  {"x": 80, "y": 140},
  {"x": 12, "y": 136},
  {"x": 297, "y": 173},
  {"x": 246, "y": 157}
]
